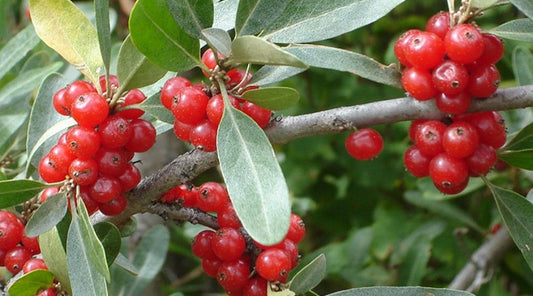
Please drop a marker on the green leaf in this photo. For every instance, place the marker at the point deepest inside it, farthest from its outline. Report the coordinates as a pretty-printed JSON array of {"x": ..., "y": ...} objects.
[
  {"x": 47, "y": 215},
  {"x": 524, "y": 6},
  {"x": 14, "y": 192},
  {"x": 101, "y": 9},
  {"x": 31, "y": 283},
  {"x": 400, "y": 291},
  {"x": 309, "y": 21},
  {"x": 123, "y": 262},
  {"x": 109, "y": 235},
  {"x": 96, "y": 250},
  {"x": 517, "y": 214},
  {"x": 16, "y": 49},
  {"x": 483, "y": 4},
  {"x": 253, "y": 176},
  {"x": 155, "y": 34},
  {"x": 521, "y": 159},
  {"x": 347, "y": 61},
  {"x": 519, "y": 149},
  {"x": 272, "y": 98},
  {"x": 225, "y": 14},
  {"x": 519, "y": 29},
  {"x": 68, "y": 31},
  {"x": 134, "y": 70},
  {"x": 12, "y": 119},
  {"x": 253, "y": 50},
  {"x": 255, "y": 15},
  {"x": 218, "y": 39},
  {"x": 55, "y": 257},
  {"x": 271, "y": 74},
  {"x": 192, "y": 15},
  {"x": 523, "y": 65},
  {"x": 152, "y": 105},
  {"x": 413, "y": 267},
  {"x": 309, "y": 276}
]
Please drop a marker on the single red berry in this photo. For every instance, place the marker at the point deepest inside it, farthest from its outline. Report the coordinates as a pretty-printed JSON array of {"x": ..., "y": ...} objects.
[
  {"x": 182, "y": 130},
  {"x": 460, "y": 139},
  {"x": 480, "y": 162},
  {"x": 115, "y": 131},
  {"x": 429, "y": 137},
  {"x": 424, "y": 50},
  {"x": 227, "y": 217},
  {"x": 439, "y": 24},
  {"x": 256, "y": 287},
  {"x": 133, "y": 97},
  {"x": 105, "y": 189},
  {"x": 215, "y": 108},
  {"x": 259, "y": 114},
  {"x": 448, "y": 173},
  {"x": 484, "y": 81},
  {"x": 238, "y": 77},
  {"x": 493, "y": 50},
  {"x": 415, "y": 125},
  {"x": 47, "y": 192},
  {"x": 291, "y": 249},
  {"x": 464, "y": 43},
  {"x": 33, "y": 264},
  {"x": 115, "y": 206},
  {"x": 211, "y": 266},
  {"x": 296, "y": 230},
  {"x": 450, "y": 77},
  {"x": 61, "y": 156},
  {"x": 142, "y": 137},
  {"x": 401, "y": 44},
  {"x": 47, "y": 292},
  {"x": 48, "y": 171},
  {"x": 364, "y": 144},
  {"x": 83, "y": 171},
  {"x": 208, "y": 59},
  {"x": 11, "y": 230},
  {"x": 190, "y": 195},
  {"x": 233, "y": 275},
  {"x": 273, "y": 265},
  {"x": 418, "y": 83},
  {"x": 201, "y": 245},
  {"x": 228, "y": 244},
  {"x": 89, "y": 109},
  {"x": 453, "y": 104},
  {"x": 76, "y": 89},
  {"x": 83, "y": 141},
  {"x": 16, "y": 258},
  {"x": 189, "y": 105},
  {"x": 490, "y": 127},
  {"x": 171, "y": 88},
  {"x": 111, "y": 162},
  {"x": 416, "y": 162},
  {"x": 31, "y": 243},
  {"x": 59, "y": 102},
  {"x": 90, "y": 204},
  {"x": 213, "y": 197},
  {"x": 130, "y": 178},
  {"x": 204, "y": 135},
  {"x": 113, "y": 82}
]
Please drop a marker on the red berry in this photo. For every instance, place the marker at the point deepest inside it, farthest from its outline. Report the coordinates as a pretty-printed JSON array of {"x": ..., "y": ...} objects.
[
  {"x": 189, "y": 105},
  {"x": 233, "y": 275},
  {"x": 182, "y": 130},
  {"x": 133, "y": 97},
  {"x": 48, "y": 171},
  {"x": 31, "y": 243},
  {"x": 227, "y": 217},
  {"x": 171, "y": 88},
  {"x": 418, "y": 83},
  {"x": 89, "y": 109},
  {"x": 453, "y": 104},
  {"x": 83, "y": 171},
  {"x": 208, "y": 58},
  {"x": 111, "y": 162},
  {"x": 61, "y": 156},
  {"x": 59, "y": 102},
  {"x": 480, "y": 162},
  {"x": 215, "y": 108},
  {"x": 201, "y": 245},
  {"x": 228, "y": 244},
  {"x": 211, "y": 266},
  {"x": 464, "y": 43},
  {"x": 47, "y": 192},
  {"x": 416, "y": 162},
  {"x": 439, "y": 24},
  {"x": 105, "y": 189},
  {"x": 48, "y": 292},
  {"x": 490, "y": 127},
  {"x": 115, "y": 206},
  {"x": 259, "y": 114},
  {"x": 460, "y": 139},
  {"x": 450, "y": 77},
  {"x": 33, "y": 264},
  {"x": 273, "y": 265},
  {"x": 90, "y": 204},
  {"x": 82, "y": 141},
  {"x": 11, "y": 230},
  {"x": 296, "y": 230},
  {"x": 204, "y": 135},
  {"x": 484, "y": 81},
  {"x": 76, "y": 89},
  {"x": 401, "y": 44},
  {"x": 113, "y": 82},
  {"x": 143, "y": 136},
  {"x": 115, "y": 132},
  {"x": 448, "y": 173},
  {"x": 364, "y": 144},
  {"x": 415, "y": 125},
  {"x": 428, "y": 137},
  {"x": 424, "y": 50},
  {"x": 130, "y": 178},
  {"x": 213, "y": 197},
  {"x": 16, "y": 258},
  {"x": 238, "y": 77},
  {"x": 256, "y": 287},
  {"x": 189, "y": 195},
  {"x": 493, "y": 51}
]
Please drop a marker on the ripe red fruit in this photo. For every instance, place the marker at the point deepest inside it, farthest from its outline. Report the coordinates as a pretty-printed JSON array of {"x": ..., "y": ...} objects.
[
  {"x": 59, "y": 102},
  {"x": 228, "y": 244},
  {"x": 90, "y": 204},
  {"x": 416, "y": 162},
  {"x": 490, "y": 127},
  {"x": 130, "y": 178},
  {"x": 256, "y": 287},
  {"x": 89, "y": 109},
  {"x": 48, "y": 292},
  {"x": 133, "y": 97},
  {"x": 83, "y": 141},
  {"x": 428, "y": 137},
  {"x": 115, "y": 131},
  {"x": 215, "y": 108},
  {"x": 204, "y": 135},
  {"x": 15, "y": 259},
  {"x": 464, "y": 43},
  {"x": 61, "y": 156},
  {"x": 76, "y": 89},
  {"x": 142, "y": 137},
  {"x": 113, "y": 82},
  {"x": 401, "y": 44},
  {"x": 480, "y": 162},
  {"x": 31, "y": 243},
  {"x": 259, "y": 114},
  {"x": 48, "y": 171},
  {"x": 11, "y": 230},
  {"x": 233, "y": 275},
  {"x": 213, "y": 197},
  {"x": 238, "y": 77},
  {"x": 115, "y": 206},
  {"x": 484, "y": 81},
  {"x": 201, "y": 245},
  {"x": 415, "y": 125},
  {"x": 424, "y": 50},
  {"x": 227, "y": 217},
  {"x": 364, "y": 144},
  {"x": 171, "y": 88},
  {"x": 83, "y": 171},
  {"x": 189, "y": 105},
  {"x": 105, "y": 189},
  {"x": 273, "y": 264},
  {"x": 111, "y": 162},
  {"x": 296, "y": 230},
  {"x": 418, "y": 83},
  {"x": 211, "y": 266},
  {"x": 450, "y": 77},
  {"x": 182, "y": 130},
  {"x": 439, "y": 24},
  {"x": 460, "y": 139},
  {"x": 449, "y": 174},
  {"x": 493, "y": 51},
  {"x": 453, "y": 104},
  {"x": 33, "y": 264},
  {"x": 208, "y": 58},
  {"x": 47, "y": 192}
]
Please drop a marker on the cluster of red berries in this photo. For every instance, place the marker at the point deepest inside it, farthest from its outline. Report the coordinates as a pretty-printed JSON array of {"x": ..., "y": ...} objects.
[
  {"x": 451, "y": 153},
  {"x": 198, "y": 111},
  {"x": 18, "y": 251},
  {"x": 451, "y": 64},
  {"x": 96, "y": 154},
  {"x": 241, "y": 266}
]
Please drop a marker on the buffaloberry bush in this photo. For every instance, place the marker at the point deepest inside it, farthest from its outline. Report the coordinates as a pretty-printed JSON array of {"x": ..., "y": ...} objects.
[{"x": 170, "y": 147}]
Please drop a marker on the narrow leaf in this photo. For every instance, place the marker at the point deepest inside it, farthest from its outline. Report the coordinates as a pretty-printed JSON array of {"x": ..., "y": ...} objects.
[
  {"x": 521, "y": 159},
  {"x": 101, "y": 9},
  {"x": 271, "y": 74},
  {"x": 218, "y": 39},
  {"x": 253, "y": 177},
  {"x": 47, "y": 215},
  {"x": 109, "y": 235},
  {"x": 272, "y": 98},
  {"x": 68, "y": 31},
  {"x": 482, "y": 4},
  {"x": 134, "y": 70},
  {"x": 123, "y": 262},
  {"x": 309, "y": 276},
  {"x": 31, "y": 283},
  {"x": 523, "y": 140},
  {"x": 523, "y": 65},
  {"x": 309, "y": 21},
  {"x": 14, "y": 192},
  {"x": 192, "y": 15},
  {"x": 17, "y": 48},
  {"x": 12, "y": 119},
  {"x": 255, "y": 15},
  {"x": 517, "y": 213},
  {"x": 253, "y": 50},
  {"x": 524, "y": 6},
  {"x": 519, "y": 29},
  {"x": 400, "y": 291},
  {"x": 347, "y": 61},
  {"x": 55, "y": 257},
  {"x": 156, "y": 34}
]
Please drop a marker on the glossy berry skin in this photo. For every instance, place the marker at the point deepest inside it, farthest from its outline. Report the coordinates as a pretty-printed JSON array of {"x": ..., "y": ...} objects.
[
  {"x": 460, "y": 139},
  {"x": 453, "y": 104},
  {"x": 61, "y": 156},
  {"x": 273, "y": 265},
  {"x": 182, "y": 130},
  {"x": 424, "y": 50},
  {"x": 204, "y": 135},
  {"x": 450, "y": 77},
  {"x": 227, "y": 217},
  {"x": 83, "y": 171},
  {"x": 115, "y": 206},
  {"x": 418, "y": 83},
  {"x": 89, "y": 109},
  {"x": 90, "y": 204},
  {"x": 260, "y": 115},
  {"x": 11, "y": 230},
  {"x": 82, "y": 141},
  {"x": 208, "y": 59},
  {"x": 364, "y": 144},
  {"x": 47, "y": 192},
  {"x": 59, "y": 102},
  {"x": 215, "y": 108},
  {"x": 401, "y": 44},
  {"x": 211, "y": 266},
  {"x": 76, "y": 89},
  {"x": 296, "y": 230},
  {"x": 482, "y": 160},
  {"x": 31, "y": 243},
  {"x": 142, "y": 137},
  {"x": 213, "y": 197},
  {"x": 105, "y": 189},
  {"x": 439, "y": 24},
  {"x": 171, "y": 88},
  {"x": 113, "y": 82},
  {"x": 130, "y": 178},
  {"x": 233, "y": 275},
  {"x": 228, "y": 244},
  {"x": 133, "y": 97},
  {"x": 416, "y": 162},
  {"x": 48, "y": 292},
  {"x": 256, "y": 286},
  {"x": 490, "y": 127},
  {"x": 33, "y": 264},
  {"x": 449, "y": 174},
  {"x": 484, "y": 81},
  {"x": 464, "y": 43},
  {"x": 115, "y": 131},
  {"x": 415, "y": 125},
  {"x": 48, "y": 171},
  {"x": 111, "y": 162},
  {"x": 201, "y": 245},
  {"x": 189, "y": 105},
  {"x": 493, "y": 50},
  {"x": 15, "y": 259},
  {"x": 428, "y": 137}
]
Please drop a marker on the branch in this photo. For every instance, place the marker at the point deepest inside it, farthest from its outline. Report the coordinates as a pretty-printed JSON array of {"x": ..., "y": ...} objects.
[{"x": 282, "y": 130}]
